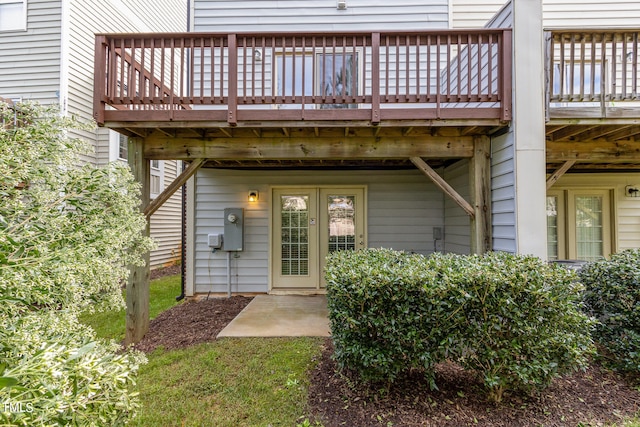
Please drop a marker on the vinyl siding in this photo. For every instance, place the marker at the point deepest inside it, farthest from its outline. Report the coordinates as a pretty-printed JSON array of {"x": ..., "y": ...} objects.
[
  {"x": 473, "y": 13},
  {"x": 625, "y": 218},
  {"x": 503, "y": 193},
  {"x": 318, "y": 15},
  {"x": 403, "y": 208},
  {"x": 86, "y": 18},
  {"x": 590, "y": 13},
  {"x": 457, "y": 238},
  {"x": 30, "y": 60}
]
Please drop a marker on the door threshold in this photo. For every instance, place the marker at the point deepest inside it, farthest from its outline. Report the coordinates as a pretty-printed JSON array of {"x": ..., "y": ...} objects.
[{"x": 297, "y": 291}]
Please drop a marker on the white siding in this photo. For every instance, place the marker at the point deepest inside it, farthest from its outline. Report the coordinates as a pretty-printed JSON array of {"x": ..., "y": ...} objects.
[
  {"x": 590, "y": 13},
  {"x": 30, "y": 60},
  {"x": 166, "y": 222},
  {"x": 626, "y": 219},
  {"x": 318, "y": 15},
  {"x": 473, "y": 13},
  {"x": 403, "y": 208}
]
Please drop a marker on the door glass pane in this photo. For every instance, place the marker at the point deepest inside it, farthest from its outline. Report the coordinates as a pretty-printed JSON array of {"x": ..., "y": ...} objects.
[
  {"x": 342, "y": 230},
  {"x": 552, "y": 227},
  {"x": 589, "y": 228},
  {"x": 295, "y": 235}
]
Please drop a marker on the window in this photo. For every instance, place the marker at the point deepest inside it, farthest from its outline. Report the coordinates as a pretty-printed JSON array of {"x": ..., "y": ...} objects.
[
  {"x": 123, "y": 147},
  {"x": 579, "y": 224},
  {"x": 157, "y": 178},
  {"x": 13, "y": 15},
  {"x": 329, "y": 74},
  {"x": 578, "y": 79}
]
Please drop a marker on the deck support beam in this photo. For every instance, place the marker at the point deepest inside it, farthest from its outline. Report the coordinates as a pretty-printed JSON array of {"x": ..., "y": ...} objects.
[
  {"x": 173, "y": 187},
  {"x": 480, "y": 185},
  {"x": 559, "y": 172},
  {"x": 443, "y": 185},
  {"x": 137, "y": 312}
]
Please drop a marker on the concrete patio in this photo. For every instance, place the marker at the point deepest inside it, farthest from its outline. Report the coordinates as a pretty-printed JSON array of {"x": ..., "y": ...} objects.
[{"x": 281, "y": 316}]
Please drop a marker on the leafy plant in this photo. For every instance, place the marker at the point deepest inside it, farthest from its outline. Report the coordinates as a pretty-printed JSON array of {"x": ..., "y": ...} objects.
[
  {"x": 67, "y": 232},
  {"x": 513, "y": 319},
  {"x": 522, "y": 324},
  {"x": 612, "y": 296}
]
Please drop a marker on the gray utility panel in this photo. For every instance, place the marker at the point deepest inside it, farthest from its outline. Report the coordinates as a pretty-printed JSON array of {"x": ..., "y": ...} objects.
[{"x": 233, "y": 229}]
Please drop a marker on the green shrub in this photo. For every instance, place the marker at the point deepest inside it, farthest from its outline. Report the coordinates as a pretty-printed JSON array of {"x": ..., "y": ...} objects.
[
  {"x": 386, "y": 312},
  {"x": 523, "y": 323},
  {"x": 67, "y": 233},
  {"x": 612, "y": 296},
  {"x": 513, "y": 319}
]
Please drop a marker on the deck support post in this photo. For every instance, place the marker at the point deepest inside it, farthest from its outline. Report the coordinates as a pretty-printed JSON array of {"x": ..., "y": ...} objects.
[
  {"x": 480, "y": 186},
  {"x": 137, "y": 312}
]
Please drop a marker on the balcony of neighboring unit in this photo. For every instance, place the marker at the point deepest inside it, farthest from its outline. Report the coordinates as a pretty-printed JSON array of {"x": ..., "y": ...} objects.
[
  {"x": 593, "y": 104},
  {"x": 226, "y": 82}
]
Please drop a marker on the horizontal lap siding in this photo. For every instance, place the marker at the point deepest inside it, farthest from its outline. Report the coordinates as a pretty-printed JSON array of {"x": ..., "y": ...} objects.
[
  {"x": 30, "y": 60},
  {"x": 503, "y": 212},
  {"x": 403, "y": 208},
  {"x": 590, "y": 13},
  {"x": 457, "y": 232},
  {"x": 318, "y": 15},
  {"x": 88, "y": 17},
  {"x": 474, "y": 13}
]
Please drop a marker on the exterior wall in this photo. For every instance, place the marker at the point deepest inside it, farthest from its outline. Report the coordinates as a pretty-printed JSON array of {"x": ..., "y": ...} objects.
[
  {"x": 30, "y": 60},
  {"x": 86, "y": 18},
  {"x": 473, "y": 13},
  {"x": 625, "y": 218},
  {"x": 590, "y": 13},
  {"x": 456, "y": 221},
  {"x": 318, "y": 15},
  {"x": 503, "y": 203},
  {"x": 403, "y": 207}
]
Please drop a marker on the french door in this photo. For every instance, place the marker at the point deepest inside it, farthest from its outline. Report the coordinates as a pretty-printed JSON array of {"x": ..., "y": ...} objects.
[{"x": 308, "y": 223}]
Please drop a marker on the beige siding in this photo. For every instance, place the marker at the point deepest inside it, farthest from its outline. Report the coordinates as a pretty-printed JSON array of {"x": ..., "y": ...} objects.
[
  {"x": 457, "y": 238},
  {"x": 590, "y": 13},
  {"x": 403, "y": 208},
  {"x": 626, "y": 221},
  {"x": 473, "y": 13},
  {"x": 30, "y": 60}
]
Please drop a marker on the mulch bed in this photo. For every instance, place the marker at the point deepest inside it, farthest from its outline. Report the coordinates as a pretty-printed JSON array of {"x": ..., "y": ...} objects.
[{"x": 596, "y": 397}]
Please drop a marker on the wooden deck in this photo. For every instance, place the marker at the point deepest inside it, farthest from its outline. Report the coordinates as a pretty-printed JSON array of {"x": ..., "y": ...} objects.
[
  {"x": 223, "y": 82},
  {"x": 593, "y": 103}
]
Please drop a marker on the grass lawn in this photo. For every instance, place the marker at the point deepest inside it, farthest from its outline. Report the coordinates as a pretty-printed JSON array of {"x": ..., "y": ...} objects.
[
  {"x": 111, "y": 324},
  {"x": 231, "y": 382}
]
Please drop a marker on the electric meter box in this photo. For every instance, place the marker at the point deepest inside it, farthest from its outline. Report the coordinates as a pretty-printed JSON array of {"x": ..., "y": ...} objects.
[{"x": 233, "y": 229}]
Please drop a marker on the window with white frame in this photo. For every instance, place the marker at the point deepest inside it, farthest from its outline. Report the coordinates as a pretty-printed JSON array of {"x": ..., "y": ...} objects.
[
  {"x": 157, "y": 178},
  {"x": 13, "y": 15},
  {"x": 579, "y": 224},
  {"x": 123, "y": 147}
]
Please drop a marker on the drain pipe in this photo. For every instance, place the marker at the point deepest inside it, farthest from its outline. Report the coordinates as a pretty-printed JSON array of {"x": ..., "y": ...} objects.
[
  {"x": 183, "y": 243},
  {"x": 228, "y": 274}
]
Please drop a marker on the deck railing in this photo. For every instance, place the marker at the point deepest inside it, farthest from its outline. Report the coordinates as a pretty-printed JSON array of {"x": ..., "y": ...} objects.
[
  {"x": 592, "y": 68},
  {"x": 290, "y": 76}
]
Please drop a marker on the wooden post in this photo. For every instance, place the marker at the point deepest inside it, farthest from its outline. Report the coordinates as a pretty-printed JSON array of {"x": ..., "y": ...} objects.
[
  {"x": 480, "y": 185},
  {"x": 137, "y": 320}
]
